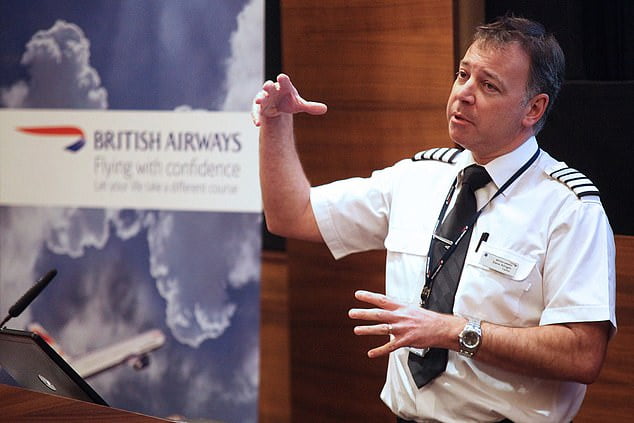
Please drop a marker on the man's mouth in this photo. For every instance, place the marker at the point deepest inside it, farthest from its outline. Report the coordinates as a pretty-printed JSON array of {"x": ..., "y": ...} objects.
[{"x": 460, "y": 117}]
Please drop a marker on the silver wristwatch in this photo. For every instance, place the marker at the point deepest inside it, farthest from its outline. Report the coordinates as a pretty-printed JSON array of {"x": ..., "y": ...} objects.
[{"x": 470, "y": 338}]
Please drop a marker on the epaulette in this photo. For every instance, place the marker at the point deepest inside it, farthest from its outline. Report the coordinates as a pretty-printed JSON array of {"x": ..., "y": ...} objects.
[
  {"x": 576, "y": 181},
  {"x": 443, "y": 154}
]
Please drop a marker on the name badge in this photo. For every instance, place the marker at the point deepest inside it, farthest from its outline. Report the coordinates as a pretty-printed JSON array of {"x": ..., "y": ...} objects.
[{"x": 499, "y": 264}]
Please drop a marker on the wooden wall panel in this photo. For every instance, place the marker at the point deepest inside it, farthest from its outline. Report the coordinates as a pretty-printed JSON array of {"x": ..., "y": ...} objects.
[
  {"x": 384, "y": 68},
  {"x": 610, "y": 398},
  {"x": 333, "y": 379},
  {"x": 385, "y": 72},
  {"x": 274, "y": 400},
  {"x": 362, "y": 54},
  {"x": 359, "y": 141}
]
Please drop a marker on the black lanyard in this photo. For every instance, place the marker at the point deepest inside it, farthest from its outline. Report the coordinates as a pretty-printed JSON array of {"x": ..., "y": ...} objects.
[{"x": 430, "y": 274}]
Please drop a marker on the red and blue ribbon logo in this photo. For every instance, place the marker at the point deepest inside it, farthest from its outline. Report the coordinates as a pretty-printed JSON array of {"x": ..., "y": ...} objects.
[{"x": 59, "y": 131}]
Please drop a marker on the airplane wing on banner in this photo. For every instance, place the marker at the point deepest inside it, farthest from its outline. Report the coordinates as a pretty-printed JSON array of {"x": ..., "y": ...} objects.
[{"x": 133, "y": 350}]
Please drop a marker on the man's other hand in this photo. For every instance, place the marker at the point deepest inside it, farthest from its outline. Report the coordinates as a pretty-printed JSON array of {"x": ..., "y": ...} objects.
[{"x": 280, "y": 97}]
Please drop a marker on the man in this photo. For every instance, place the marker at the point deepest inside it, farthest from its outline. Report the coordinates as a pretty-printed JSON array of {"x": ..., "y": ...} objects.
[{"x": 528, "y": 324}]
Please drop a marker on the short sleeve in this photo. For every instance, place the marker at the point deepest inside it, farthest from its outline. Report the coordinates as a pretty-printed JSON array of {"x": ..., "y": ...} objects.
[
  {"x": 353, "y": 214},
  {"x": 579, "y": 270}
]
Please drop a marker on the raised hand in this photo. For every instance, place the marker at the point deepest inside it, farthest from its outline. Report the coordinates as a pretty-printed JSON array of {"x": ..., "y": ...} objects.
[{"x": 280, "y": 97}]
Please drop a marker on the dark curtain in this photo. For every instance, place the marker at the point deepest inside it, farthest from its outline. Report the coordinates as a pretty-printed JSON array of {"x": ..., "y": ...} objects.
[{"x": 596, "y": 36}]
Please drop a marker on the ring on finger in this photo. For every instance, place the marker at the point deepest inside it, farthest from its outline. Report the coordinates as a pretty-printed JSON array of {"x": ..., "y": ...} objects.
[{"x": 389, "y": 328}]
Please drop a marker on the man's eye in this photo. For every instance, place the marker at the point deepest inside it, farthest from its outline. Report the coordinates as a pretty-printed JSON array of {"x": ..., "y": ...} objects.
[
  {"x": 461, "y": 74},
  {"x": 489, "y": 87}
]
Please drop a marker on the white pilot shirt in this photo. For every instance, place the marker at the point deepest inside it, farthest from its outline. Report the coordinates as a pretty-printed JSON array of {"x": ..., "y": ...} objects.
[{"x": 560, "y": 249}]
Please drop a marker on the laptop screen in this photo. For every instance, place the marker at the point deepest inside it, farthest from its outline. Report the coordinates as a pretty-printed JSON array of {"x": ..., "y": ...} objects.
[{"x": 34, "y": 365}]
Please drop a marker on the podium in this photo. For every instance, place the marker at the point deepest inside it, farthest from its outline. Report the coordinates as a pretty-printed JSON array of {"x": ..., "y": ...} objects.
[{"x": 22, "y": 405}]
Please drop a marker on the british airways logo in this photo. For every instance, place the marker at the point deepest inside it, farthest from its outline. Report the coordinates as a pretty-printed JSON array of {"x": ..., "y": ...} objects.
[
  {"x": 59, "y": 131},
  {"x": 131, "y": 140}
]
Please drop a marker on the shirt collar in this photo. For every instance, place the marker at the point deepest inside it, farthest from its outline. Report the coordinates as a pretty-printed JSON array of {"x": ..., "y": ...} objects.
[{"x": 502, "y": 168}]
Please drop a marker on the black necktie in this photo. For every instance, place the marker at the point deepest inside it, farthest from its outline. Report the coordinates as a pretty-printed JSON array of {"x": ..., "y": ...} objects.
[{"x": 445, "y": 283}]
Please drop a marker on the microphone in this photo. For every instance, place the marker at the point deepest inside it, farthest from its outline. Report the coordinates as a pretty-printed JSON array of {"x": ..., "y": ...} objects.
[{"x": 17, "y": 308}]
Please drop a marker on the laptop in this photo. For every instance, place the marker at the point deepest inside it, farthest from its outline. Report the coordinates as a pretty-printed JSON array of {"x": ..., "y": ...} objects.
[{"x": 34, "y": 365}]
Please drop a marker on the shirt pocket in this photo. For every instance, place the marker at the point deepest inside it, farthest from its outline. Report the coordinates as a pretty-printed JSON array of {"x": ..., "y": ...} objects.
[
  {"x": 500, "y": 285},
  {"x": 413, "y": 240},
  {"x": 407, "y": 249}
]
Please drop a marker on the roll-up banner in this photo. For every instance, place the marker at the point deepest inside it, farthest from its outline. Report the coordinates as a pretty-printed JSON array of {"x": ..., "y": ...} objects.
[{"x": 128, "y": 162}]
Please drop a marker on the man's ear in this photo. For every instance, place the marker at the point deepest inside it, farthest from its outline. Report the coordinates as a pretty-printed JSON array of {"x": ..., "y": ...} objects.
[{"x": 535, "y": 109}]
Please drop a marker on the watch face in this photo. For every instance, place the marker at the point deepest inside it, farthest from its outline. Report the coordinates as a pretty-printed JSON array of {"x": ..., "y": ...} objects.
[{"x": 471, "y": 339}]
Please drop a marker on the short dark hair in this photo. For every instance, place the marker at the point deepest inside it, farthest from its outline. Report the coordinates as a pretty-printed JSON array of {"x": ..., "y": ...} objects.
[{"x": 547, "y": 61}]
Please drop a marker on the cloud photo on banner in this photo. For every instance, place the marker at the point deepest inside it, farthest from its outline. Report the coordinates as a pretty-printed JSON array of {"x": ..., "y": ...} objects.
[{"x": 193, "y": 275}]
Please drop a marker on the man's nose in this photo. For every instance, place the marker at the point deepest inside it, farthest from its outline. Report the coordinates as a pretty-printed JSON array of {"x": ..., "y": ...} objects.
[{"x": 466, "y": 91}]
